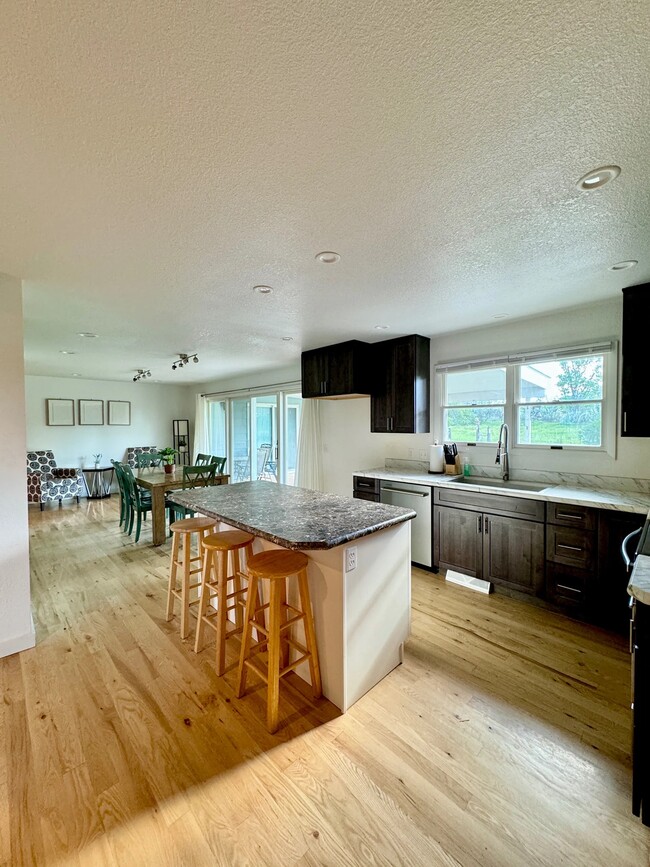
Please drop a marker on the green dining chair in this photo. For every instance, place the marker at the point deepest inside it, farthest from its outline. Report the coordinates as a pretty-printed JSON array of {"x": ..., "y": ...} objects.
[
  {"x": 147, "y": 460},
  {"x": 195, "y": 476},
  {"x": 202, "y": 460},
  {"x": 117, "y": 466},
  {"x": 220, "y": 464},
  {"x": 139, "y": 501}
]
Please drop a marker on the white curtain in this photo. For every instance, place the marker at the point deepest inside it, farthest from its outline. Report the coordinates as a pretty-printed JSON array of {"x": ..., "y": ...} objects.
[
  {"x": 309, "y": 466},
  {"x": 201, "y": 427}
]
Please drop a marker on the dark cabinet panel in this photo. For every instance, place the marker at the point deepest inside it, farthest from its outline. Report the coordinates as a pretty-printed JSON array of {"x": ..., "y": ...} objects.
[
  {"x": 513, "y": 553},
  {"x": 364, "y": 488},
  {"x": 339, "y": 370},
  {"x": 582, "y": 517},
  {"x": 506, "y": 551},
  {"x": 401, "y": 385},
  {"x": 610, "y": 598},
  {"x": 571, "y": 547},
  {"x": 635, "y": 407}
]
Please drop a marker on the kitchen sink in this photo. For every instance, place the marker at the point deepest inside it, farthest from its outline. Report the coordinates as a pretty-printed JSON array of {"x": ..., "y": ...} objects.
[{"x": 510, "y": 485}]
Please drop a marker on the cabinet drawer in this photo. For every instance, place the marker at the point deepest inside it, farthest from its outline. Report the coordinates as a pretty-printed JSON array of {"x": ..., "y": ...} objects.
[
  {"x": 495, "y": 504},
  {"x": 580, "y": 517},
  {"x": 571, "y": 547},
  {"x": 565, "y": 585},
  {"x": 364, "y": 485},
  {"x": 362, "y": 495}
]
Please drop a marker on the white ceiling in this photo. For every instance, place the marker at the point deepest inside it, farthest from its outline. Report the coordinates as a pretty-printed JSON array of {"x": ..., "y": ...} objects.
[{"x": 157, "y": 160}]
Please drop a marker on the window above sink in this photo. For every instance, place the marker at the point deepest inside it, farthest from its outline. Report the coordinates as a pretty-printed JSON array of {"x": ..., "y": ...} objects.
[{"x": 551, "y": 399}]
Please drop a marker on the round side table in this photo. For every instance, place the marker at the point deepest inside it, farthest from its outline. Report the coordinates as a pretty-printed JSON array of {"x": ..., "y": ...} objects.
[{"x": 98, "y": 482}]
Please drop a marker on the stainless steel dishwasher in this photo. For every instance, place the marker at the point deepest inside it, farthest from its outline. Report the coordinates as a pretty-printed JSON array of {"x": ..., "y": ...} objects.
[{"x": 418, "y": 498}]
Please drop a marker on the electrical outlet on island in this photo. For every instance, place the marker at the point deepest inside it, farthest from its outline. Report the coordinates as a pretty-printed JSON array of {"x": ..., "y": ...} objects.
[{"x": 350, "y": 559}]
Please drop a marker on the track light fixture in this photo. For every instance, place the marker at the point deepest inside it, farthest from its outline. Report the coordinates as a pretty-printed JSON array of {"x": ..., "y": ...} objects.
[
  {"x": 141, "y": 374},
  {"x": 184, "y": 359}
]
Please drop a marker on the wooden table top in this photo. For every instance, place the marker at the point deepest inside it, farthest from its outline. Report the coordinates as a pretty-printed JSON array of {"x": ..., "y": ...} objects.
[{"x": 166, "y": 481}]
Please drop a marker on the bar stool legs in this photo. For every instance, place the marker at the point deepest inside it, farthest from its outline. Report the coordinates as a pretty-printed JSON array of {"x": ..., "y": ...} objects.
[
  {"x": 216, "y": 601},
  {"x": 182, "y": 531},
  {"x": 277, "y": 566}
]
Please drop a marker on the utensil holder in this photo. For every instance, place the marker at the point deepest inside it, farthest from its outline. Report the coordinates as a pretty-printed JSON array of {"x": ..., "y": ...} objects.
[{"x": 453, "y": 469}]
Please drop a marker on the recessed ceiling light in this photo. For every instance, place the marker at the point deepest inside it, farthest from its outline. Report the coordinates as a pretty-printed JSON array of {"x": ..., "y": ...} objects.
[
  {"x": 86, "y": 334},
  {"x": 622, "y": 266},
  {"x": 500, "y": 316},
  {"x": 382, "y": 327},
  {"x": 76, "y": 374},
  {"x": 598, "y": 177},
  {"x": 328, "y": 257},
  {"x": 288, "y": 339},
  {"x": 263, "y": 290},
  {"x": 67, "y": 352}
]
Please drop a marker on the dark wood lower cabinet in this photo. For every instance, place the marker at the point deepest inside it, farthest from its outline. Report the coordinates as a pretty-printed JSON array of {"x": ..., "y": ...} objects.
[
  {"x": 513, "y": 553},
  {"x": 506, "y": 551},
  {"x": 458, "y": 542}
]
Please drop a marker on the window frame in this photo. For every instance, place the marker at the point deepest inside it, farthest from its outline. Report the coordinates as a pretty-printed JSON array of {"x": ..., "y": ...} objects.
[{"x": 513, "y": 365}]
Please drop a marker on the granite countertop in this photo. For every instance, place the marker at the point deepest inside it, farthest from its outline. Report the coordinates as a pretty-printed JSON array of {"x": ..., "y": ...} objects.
[
  {"x": 292, "y": 517},
  {"x": 639, "y": 585},
  {"x": 576, "y": 494}
]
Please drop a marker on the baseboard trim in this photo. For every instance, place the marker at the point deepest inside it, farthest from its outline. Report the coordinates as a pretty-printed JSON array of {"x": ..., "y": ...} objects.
[{"x": 18, "y": 643}]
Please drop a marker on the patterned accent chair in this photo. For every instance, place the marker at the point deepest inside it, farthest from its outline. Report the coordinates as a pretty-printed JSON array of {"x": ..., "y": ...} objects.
[
  {"x": 47, "y": 482},
  {"x": 133, "y": 451}
]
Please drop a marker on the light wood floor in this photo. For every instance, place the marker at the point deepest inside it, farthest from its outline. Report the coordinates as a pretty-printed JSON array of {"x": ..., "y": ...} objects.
[{"x": 502, "y": 740}]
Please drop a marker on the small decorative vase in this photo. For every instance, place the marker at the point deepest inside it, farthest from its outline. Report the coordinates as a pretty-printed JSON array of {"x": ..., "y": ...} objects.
[{"x": 169, "y": 468}]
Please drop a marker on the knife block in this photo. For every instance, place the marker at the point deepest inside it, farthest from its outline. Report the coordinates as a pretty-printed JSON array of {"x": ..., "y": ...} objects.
[{"x": 453, "y": 469}]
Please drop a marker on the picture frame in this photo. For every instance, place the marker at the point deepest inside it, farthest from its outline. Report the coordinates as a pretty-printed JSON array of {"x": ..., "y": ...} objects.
[
  {"x": 91, "y": 411},
  {"x": 119, "y": 412},
  {"x": 59, "y": 411}
]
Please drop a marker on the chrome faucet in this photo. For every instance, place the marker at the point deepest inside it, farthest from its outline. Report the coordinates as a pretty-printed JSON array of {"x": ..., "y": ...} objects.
[{"x": 502, "y": 451}]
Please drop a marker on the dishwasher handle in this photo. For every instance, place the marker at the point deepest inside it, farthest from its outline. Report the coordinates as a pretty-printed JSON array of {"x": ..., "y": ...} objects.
[{"x": 403, "y": 491}]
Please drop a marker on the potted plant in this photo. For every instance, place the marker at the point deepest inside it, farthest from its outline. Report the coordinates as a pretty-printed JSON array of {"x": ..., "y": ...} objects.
[{"x": 167, "y": 457}]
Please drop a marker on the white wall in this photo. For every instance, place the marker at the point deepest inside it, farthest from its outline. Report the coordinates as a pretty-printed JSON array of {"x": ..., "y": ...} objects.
[
  {"x": 348, "y": 444},
  {"x": 16, "y": 630},
  {"x": 153, "y": 407}
]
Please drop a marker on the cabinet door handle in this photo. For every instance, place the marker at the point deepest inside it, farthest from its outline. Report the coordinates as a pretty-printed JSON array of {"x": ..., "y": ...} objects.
[
  {"x": 486, "y": 524},
  {"x": 570, "y": 516},
  {"x": 625, "y": 422},
  {"x": 570, "y": 547},
  {"x": 570, "y": 589},
  {"x": 479, "y": 524}
]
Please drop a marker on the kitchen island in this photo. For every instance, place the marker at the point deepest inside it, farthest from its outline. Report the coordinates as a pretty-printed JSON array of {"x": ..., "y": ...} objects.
[{"x": 361, "y": 615}]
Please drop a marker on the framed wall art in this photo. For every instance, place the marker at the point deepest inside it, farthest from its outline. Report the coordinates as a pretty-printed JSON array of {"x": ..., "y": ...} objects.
[
  {"x": 119, "y": 411},
  {"x": 59, "y": 411},
  {"x": 91, "y": 411}
]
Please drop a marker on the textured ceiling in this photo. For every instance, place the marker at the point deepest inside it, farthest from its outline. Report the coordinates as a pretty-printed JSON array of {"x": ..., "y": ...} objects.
[{"x": 158, "y": 159}]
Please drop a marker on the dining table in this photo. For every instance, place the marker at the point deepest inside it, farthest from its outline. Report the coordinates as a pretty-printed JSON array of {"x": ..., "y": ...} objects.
[{"x": 159, "y": 482}]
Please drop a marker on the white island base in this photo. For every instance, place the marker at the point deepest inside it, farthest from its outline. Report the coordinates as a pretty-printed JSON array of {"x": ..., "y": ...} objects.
[{"x": 362, "y": 617}]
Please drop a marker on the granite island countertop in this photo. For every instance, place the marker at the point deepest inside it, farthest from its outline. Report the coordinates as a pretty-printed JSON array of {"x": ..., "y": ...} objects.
[{"x": 292, "y": 517}]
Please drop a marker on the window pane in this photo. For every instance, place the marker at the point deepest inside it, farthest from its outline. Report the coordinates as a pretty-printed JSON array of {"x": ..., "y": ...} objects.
[
  {"x": 572, "y": 379},
  {"x": 217, "y": 428},
  {"x": 241, "y": 444},
  {"x": 291, "y": 428},
  {"x": 476, "y": 387},
  {"x": 480, "y": 425},
  {"x": 577, "y": 424},
  {"x": 266, "y": 437}
]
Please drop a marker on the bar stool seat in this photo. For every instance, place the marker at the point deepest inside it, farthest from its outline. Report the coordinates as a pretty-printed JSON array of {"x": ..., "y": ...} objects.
[
  {"x": 276, "y": 567},
  {"x": 216, "y": 602},
  {"x": 182, "y": 532}
]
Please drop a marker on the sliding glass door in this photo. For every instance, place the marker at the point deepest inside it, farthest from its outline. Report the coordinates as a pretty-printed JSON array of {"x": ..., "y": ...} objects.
[{"x": 262, "y": 435}]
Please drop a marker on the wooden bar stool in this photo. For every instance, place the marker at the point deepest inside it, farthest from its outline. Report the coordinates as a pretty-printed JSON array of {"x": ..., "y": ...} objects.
[
  {"x": 276, "y": 567},
  {"x": 216, "y": 601},
  {"x": 183, "y": 531}
]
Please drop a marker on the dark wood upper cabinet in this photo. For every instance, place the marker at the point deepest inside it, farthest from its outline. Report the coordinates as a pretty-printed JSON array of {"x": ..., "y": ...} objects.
[
  {"x": 339, "y": 370},
  {"x": 401, "y": 385},
  {"x": 635, "y": 407}
]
